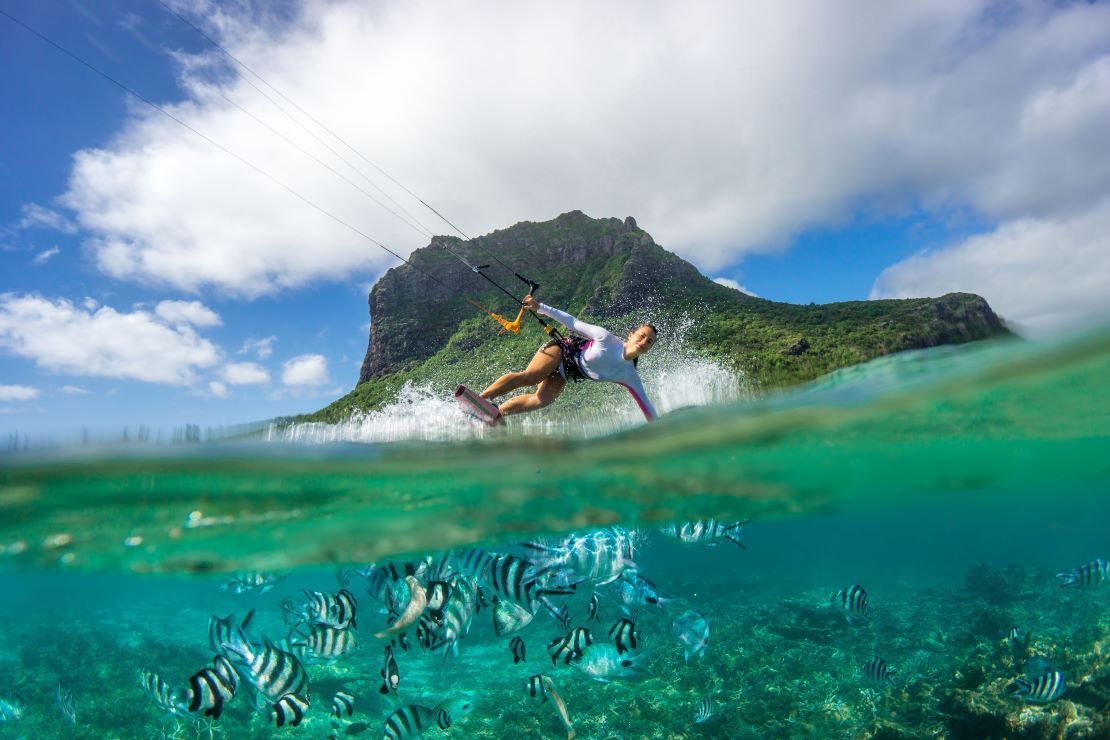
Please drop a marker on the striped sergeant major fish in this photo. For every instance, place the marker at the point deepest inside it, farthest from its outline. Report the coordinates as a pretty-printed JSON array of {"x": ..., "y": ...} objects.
[
  {"x": 253, "y": 581},
  {"x": 412, "y": 720},
  {"x": 472, "y": 561},
  {"x": 457, "y": 614},
  {"x": 600, "y": 556},
  {"x": 272, "y": 671},
  {"x": 383, "y": 580},
  {"x": 1087, "y": 575},
  {"x": 1045, "y": 688},
  {"x": 437, "y": 593},
  {"x": 323, "y": 608},
  {"x": 562, "y": 616},
  {"x": 536, "y": 686},
  {"x": 570, "y": 647},
  {"x": 595, "y": 602},
  {"x": 391, "y": 675},
  {"x": 705, "y": 708},
  {"x": 852, "y": 601},
  {"x": 624, "y": 635},
  {"x": 63, "y": 697},
  {"x": 322, "y": 644},
  {"x": 225, "y": 631},
  {"x": 211, "y": 688},
  {"x": 516, "y": 647},
  {"x": 342, "y": 704},
  {"x": 1018, "y": 635},
  {"x": 511, "y": 578},
  {"x": 878, "y": 671},
  {"x": 289, "y": 710},
  {"x": 707, "y": 532},
  {"x": 158, "y": 690}
]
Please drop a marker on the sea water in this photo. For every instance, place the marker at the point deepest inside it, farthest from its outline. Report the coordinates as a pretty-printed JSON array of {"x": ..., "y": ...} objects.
[{"x": 952, "y": 484}]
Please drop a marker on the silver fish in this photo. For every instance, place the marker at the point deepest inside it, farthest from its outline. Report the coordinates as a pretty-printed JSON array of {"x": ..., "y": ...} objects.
[
  {"x": 602, "y": 662},
  {"x": 633, "y": 590},
  {"x": 600, "y": 556},
  {"x": 324, "y": 608},
  {"x": 509, "y": 616},
  {"x": 692, "y": 630},
  {"x": 225, "y": 631},
  {"x": 708, "y": 532}
]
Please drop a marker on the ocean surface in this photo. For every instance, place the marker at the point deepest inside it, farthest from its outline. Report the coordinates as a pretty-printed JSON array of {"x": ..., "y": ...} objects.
[{"x": 946, "y": 511}]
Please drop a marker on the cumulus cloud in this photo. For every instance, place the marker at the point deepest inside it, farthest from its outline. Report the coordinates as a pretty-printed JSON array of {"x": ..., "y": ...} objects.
[
  {"x": 245, "y": 373},
  {"x": 93, "y": 340},
  {"x": 73, "y": 390},
  {"x": 217, "y": 389},
  {"x": 18, "y": 393},
  {"x": 306, "y": 370},
  {"x": 42, "y": 257},
  {"x": 725, "y": 128},
  {"x": 1041, "y": 274},
  {"x": 262, "y": 347},
  {"x": 187, "y": 312},
  {"x": 730, "y": 283}
]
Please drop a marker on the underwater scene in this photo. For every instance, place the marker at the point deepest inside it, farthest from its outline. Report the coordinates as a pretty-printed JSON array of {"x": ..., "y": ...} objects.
[{"x": 915, "y": 547}]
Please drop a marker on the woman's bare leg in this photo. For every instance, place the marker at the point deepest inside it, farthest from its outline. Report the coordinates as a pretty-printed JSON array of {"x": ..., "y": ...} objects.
[
  {"x": 547, "y": 391},
  {"x": 545, "y": 362}
]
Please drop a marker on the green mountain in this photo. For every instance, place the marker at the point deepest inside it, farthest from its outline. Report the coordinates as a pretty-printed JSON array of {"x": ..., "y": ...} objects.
[{"x": 612, "y": 273}]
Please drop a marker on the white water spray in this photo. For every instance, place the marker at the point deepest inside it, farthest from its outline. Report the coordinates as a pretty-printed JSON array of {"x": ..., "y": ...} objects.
[{"x": 675, "y": 376}]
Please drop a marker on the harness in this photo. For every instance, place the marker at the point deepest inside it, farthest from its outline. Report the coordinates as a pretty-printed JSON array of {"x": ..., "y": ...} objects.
[{"x": 570, "y": 347}]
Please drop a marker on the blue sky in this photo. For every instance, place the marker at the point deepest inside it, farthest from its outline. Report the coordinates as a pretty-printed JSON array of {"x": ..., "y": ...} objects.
[{"x": 151, "y": 279}]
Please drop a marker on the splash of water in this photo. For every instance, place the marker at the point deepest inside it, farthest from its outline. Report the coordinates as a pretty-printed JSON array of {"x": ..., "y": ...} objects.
[{"x": 676, "y": 375}]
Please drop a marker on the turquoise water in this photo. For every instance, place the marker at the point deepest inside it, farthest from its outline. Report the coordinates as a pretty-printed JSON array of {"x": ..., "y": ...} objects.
[{"x": 952, "y": 484}]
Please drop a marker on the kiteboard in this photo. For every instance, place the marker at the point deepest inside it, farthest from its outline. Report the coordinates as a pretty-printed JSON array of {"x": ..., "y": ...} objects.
[{"x": 474, "y": 405}]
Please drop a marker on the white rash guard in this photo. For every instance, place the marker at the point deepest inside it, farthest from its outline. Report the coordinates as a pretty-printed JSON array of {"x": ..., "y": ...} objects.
[{"x": 602, "y": 358}]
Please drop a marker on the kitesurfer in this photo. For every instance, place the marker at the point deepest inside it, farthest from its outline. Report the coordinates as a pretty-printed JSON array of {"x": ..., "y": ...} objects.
[{"x": 595, "y": 355}]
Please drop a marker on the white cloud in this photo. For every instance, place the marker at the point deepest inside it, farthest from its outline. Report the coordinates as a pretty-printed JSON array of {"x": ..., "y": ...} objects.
[
  {"x": 1041, "y": 274},
  {"x": 73, "y": 390},
  {"x": 44, "y": 255},
  {"x": 217, "y": 389},
  {"x": 18, "y": 393},
  {"x": 262, "y": 347},
  {"x": 725, "y": 128},
  {"x": 730, "y": 283},
  {"x": 245, "y": 373},
  {"x": 97, "y": 341},
  {"x": 36, "y": 216},
  {"x": 309, "y": 370},
  {"x": 187, "y": 312}
]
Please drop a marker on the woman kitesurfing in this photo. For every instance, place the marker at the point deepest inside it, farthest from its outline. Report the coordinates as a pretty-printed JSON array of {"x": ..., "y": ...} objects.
[{"x": 596, "y": 354}]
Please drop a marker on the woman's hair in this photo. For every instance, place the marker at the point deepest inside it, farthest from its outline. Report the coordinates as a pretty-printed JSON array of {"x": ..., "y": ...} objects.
[{"x": 636, "y": 360}]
